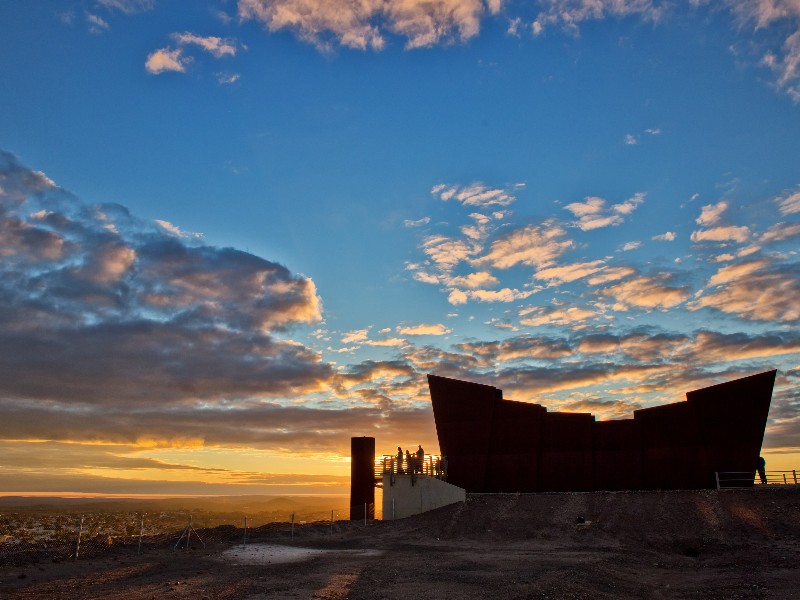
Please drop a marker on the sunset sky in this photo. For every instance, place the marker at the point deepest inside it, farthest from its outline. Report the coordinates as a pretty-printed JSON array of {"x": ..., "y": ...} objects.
[{"x": 234, "y": 233}]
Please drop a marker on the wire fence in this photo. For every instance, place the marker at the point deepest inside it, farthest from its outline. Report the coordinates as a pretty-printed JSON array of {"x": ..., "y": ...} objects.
[
  {"x": 741, "y": 479},
  {"x": 60, "y": 537}
]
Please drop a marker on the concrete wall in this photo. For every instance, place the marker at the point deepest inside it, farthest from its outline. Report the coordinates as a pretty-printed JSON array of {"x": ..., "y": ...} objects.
[{"x": 426, "y": 494}]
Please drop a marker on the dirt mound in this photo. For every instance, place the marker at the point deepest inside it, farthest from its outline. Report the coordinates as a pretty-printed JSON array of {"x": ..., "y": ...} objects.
[{"x": 648, "y": 519}]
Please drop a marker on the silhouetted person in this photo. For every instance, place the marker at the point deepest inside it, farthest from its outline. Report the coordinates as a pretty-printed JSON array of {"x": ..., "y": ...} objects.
[
  {"x": 399, "y": 460},
  {"x": 420, "y": 464},
  {"x": 761, "y": 465},
  {"x": 409, "y": 463}
]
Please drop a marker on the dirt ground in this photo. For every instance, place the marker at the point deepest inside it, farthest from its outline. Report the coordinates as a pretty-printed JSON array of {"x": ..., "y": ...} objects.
[{"x": 705, "y": 544}]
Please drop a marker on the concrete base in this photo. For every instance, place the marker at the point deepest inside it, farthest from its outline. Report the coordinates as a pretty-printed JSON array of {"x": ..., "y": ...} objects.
[{"x": 428, "y": 493}]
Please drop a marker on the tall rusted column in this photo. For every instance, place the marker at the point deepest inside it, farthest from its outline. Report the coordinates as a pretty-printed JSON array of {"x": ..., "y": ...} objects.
[{"x": 362, "y": 477}]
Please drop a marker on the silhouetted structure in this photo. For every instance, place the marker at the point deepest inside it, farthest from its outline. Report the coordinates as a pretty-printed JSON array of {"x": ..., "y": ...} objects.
[
  {"x": 497, "y": 445},
  {"x": 362, "y": 477}
]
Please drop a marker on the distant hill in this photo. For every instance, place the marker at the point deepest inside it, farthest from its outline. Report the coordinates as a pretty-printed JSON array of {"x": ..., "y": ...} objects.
[{"x": 302, "y": 505}]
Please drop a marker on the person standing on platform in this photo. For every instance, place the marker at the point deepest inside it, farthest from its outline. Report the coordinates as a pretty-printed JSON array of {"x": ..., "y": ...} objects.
[
  {"x": 409, "y": 463},
  {"x": 399, "y": 460},
  {"x": 420, "y": 464},
  {"x": 761, "y": 466}
]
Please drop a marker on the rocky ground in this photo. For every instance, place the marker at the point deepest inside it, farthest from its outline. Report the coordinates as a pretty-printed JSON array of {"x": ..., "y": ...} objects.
[{"x": 705, "y": 544}]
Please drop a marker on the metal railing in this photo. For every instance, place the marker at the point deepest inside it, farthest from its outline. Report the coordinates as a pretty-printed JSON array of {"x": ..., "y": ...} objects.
[
  {"x": 740, "y": 479},
  {"x": 431, "y": 465}
]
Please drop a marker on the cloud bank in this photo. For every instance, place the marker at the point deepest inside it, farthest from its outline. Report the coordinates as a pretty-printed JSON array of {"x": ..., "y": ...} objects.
[{"x": 106, "y": 317}]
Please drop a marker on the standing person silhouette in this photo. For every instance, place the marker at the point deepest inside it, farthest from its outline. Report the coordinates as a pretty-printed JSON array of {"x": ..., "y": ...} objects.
[
  {"x": 409, "y": 463},
  {"x": 761, "y": 466},
  {"x": 420, "y": 459},
  {"x": 399, "y": 460}
]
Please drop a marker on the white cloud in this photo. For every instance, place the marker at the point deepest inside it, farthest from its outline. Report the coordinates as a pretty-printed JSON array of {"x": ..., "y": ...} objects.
[
  {"x": 668, "y": 236},
  {"x": 570, "y": 13},
  {"x": 593, "y": 214},
  {"x": 654, "y": 131},
  {"x": 611, "y": 274},
  {"x": 423, "y": 329},
  {"x": 631, "y": 246},
  {"x": 169, "y": 227},
  {"x": 533, "y": 245},
  {"x": 457, "y": 297},
  {"x": 722, "y": 258},
  {"x": 786, "y": 62},
  {"x": 592, "y": 205},
  {"x": 364, "y": 24},
  {"x": 727, "y": 233},
  {"x": 710, "y": 214},
  {"x": 754, "y": 290},
  {"x": 645, "y": 292},
  {"x": 780, "y": 232},
  {"x": 730, "y": 273},
  {"x": 503, "y": 295},
  {"x": 216, "y": 46},
  {"x": 128, "y": 6},
  {"x": 426, "y": 277},
  {"x": 572, "y": 316},
  {"x": 174, "y": 59},
  {"x": 571, "y": 272},
  {"x": 417, "y": 223},
  {"x": 775, "y": 25},
  {"x": 387, "y": 343},
  {"x": 356, "y": 336},
  {"x": 476, "y": 194},
  {"x": 630, "y": 140},
  {"x": 227, "y": 78},
  {"x": 165, "y": 59},
  {"x": 448, "y": 252},
  {"x": 97, "y": 24},
  {"x": 473, "y": 281},
  {"x": 480, "y": 218},
  {"x": 789, "y": 204}
]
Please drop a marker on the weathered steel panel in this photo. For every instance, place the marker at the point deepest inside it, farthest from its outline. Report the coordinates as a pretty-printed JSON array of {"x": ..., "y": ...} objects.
[
  {"x": 362, "y": 477},
  {"x": 496, "y": 445}
]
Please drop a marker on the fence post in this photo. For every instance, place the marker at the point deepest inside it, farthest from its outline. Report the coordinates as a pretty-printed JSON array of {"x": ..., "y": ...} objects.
[
  {"x": 190, "y": 529},
  {"x": 716, "y": 474},
  {"x": 141, "y": 532},
  {"x": 794, "y": 474},
  {"x": 292, "y": 525},
  {"x": 784, "y": 479},
  {"x": 244, "y": 541},
  {"x": 78, "y": 543}
]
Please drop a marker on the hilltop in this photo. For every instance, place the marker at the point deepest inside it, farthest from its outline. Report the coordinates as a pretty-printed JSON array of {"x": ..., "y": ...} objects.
[{"x": 687, "y": 544}]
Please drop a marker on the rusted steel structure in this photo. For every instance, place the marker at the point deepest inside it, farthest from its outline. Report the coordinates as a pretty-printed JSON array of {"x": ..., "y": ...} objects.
[
  {"x": 362, "y": 478},
  {"x": 498, "y": 445}
]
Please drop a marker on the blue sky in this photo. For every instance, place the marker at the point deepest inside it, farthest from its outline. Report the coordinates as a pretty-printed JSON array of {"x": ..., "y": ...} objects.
[{"x": 236, "y": 233}]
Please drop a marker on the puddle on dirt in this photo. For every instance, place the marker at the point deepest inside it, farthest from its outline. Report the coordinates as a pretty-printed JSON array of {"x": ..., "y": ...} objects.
[{"x": 261, "y": 554}]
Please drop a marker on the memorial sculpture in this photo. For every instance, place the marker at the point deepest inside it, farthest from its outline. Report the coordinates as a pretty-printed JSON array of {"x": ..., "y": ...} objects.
[{"x": 497, "y": 445}]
